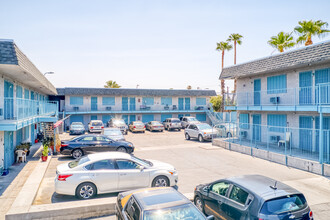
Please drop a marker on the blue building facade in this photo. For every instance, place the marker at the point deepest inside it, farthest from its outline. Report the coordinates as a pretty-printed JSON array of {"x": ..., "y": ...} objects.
[
  {"x": 86, "y": 104},
  {"x": 24, "y": 103},
  {"x": 283, "y": 102}
]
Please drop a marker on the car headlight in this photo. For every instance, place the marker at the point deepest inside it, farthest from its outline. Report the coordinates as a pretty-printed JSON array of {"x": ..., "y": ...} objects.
[{"x": 130, "y": 145}]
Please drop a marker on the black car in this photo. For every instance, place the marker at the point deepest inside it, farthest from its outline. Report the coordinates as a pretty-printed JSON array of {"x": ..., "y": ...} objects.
[
  {"x": 156, "y": 203},
  {"x": 251, "y": 197},
  {"x": 84, "y": 144}
]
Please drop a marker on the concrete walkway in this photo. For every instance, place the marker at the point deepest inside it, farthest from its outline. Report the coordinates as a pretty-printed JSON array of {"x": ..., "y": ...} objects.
[{"x": 12, "y": 184}]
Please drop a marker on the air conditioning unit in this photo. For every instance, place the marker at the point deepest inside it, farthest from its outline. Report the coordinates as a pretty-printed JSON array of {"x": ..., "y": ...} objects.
[
  {"x": 243, "y": 134},
  {"x": 275, "y": 100},
  {"x": 76, "y": 108},
  {"x": 275, "y": 138},
  {"x": 108, "y": 108}
]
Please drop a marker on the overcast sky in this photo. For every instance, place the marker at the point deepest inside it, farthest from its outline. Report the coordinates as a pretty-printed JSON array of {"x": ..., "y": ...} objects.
[{"x": 153, "y": 44}]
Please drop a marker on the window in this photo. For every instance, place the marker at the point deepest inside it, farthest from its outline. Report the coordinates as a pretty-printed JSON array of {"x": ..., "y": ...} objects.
[
  {"x": 220, "y": 188},
  {"x": 104, "y": 139},
  {"x": 239, "y": 195},
  {"x": 126, "y": 164},
  {"x": 276, "y": 123},
  {"x": 289, "y": 203},
  {"x": 201, "y": 117},
  {"x": 89, "y": 138},
  {"x": 147, "y": 101},
  {"x": 244, "y": 121},
  {"x": 200, "y": 101},
  {"x": 108, "y": 101},
  {"x": 276, "y": 84},
  {"x": 166, "y": 100},
  {"x": 76, "y": 100},
  {"x": 132, "y": 210},
  {"x": 19, "y": 92},
  {"x": 102, "y": 165}
]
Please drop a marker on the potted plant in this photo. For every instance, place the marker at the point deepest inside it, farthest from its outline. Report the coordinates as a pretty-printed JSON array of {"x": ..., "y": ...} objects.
[{"x": 45, "y": 152}]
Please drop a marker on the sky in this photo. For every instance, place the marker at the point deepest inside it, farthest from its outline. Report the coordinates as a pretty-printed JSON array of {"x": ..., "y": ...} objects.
[{"x": 158, "y": 44}]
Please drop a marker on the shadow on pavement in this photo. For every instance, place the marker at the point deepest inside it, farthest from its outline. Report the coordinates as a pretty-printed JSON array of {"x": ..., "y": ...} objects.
[{"x": 57, "y": 198}]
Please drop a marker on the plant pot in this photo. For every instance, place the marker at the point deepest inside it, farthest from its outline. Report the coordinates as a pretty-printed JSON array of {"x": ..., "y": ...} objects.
[
  {"x": 44, "y": 158},
  {"x": 52, "y": 147},
  {"x": 36, "y": 141}
]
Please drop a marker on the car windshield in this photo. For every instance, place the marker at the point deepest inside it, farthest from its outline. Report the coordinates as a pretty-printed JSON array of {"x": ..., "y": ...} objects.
[
  {"x": 77, "y": 126},
  {"x": 145, "y": 163},
  {"x": 78, "y": 162},
  {"x": 155, "y": 123},
  {"x": 112, "y": 132},
  {"x": 191, "y": 119},
  {"x": 119, "y": 123},
  {"x": 204, "y": 127},
  {"x": 186, "y": 211},
  {"x": 97, "y": 124},
  {"x": 284, "y": 204},
  {"x": 175, "y": 121}
]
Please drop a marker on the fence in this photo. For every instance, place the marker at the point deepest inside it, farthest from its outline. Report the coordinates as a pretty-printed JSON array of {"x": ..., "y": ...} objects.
[{"x": 298, "y": 142}]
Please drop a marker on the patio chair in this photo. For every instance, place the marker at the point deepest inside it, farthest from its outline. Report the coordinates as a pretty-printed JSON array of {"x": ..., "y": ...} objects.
[
  {"x": 20, "y": 154},
  {"x": 287, "y": 140}
]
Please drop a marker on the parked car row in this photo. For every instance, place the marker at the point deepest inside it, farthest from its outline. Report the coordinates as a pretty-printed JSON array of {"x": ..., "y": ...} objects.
[
  {"x": 97, "y": 126},
  {"x": 242, "y": 197}
]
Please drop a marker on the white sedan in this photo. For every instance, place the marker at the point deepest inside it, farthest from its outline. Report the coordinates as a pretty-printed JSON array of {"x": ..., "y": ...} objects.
[{"x": 111, "y": 172}]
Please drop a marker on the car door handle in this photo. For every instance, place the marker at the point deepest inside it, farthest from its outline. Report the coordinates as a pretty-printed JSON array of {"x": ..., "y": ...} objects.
[{"x": 123, "y": 174}]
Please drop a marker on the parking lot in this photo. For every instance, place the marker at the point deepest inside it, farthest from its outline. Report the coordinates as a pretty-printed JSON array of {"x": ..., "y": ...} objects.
[{"x": 201, "y": 163}]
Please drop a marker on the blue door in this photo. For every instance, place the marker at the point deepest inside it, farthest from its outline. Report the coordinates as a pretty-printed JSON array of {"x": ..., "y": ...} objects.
[
  {"x": 106, "y": 119},
  {"x": 19, "y": 136},
  {"x": 181, "y": 106},
  {"x": 306, "y": 133},
  {"x": 322, "y": 90},
  {"x": 257, "y": 89},
  {"x": 94, "y": 103},
  {"x": 165, "y": 116},
  {"x": 132, "y": 104},
  {"x": 187, "y": 104},
  {"x": 132, "y": 118},
  {"x": 32, "y": 133},
  {"x": 256, "y": 120},
  {"x": 9, "y": 100},
  {"x": 124, "y": 102},
  {"x": 125, "y": 117},
  {"x": 77, "y": 118},
  {"x": 201, "y": 117},
  {"x": 147, "y": 118},
  {"x": 326, "y": 128},
  {"x": 9, "y": 157},
  {"x": 305, "y": 88},
  {"x": 93, "y": 117}
]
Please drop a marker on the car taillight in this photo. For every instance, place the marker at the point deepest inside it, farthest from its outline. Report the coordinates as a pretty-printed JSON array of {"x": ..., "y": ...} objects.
[
  {"x": 170, "y": 124},
  {"x": 63, "y": 177},
  {"x": 64, "y": 145},
  {"x": 144, "y": 126},
  {"x": 92, "y": 127},
  {"x": 310, "y": 214},
  {"x": 134, "y": 127},
  {"x": 102, "y": 127}
]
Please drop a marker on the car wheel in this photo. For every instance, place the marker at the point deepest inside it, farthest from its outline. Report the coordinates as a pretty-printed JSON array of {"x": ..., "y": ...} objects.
[
  {"x": 187, "y": 136},
  {"x": 179, "y": 129},
  {"x": 77, "y": 153},
  {"x": 122, "y": 149},
  {"x": 199, "y": 203},
  {"x": 200, "y": 138},
  {"x": 229, "y": 134},
  {"x": 160, "y": 181},
  {"x": 86, "y": 191}
]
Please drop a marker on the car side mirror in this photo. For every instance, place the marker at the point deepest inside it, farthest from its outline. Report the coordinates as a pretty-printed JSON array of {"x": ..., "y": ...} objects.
[
  {"x": 141, "y": 168},
  {"x": 211, "y": 217},
  {"x": 206, "y": 189}
]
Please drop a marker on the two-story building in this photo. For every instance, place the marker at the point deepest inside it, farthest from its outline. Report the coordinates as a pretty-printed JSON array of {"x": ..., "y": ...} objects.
[
  {"x": 283, "y": 102},
  {"x": 24, "y": 104},
  {"x": 86, "y": 104}
]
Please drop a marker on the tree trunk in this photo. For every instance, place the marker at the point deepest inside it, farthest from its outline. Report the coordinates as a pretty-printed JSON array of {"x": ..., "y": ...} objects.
[
  {"x": 235, "y": 52},
  {"x": 222, "y": 84},
  {"x": 309, "y": 41}
]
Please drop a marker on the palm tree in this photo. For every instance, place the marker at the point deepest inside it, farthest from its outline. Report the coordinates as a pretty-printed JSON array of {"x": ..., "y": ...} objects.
[
  {"x": 237, "y": 39},
  {"x": 111, "y": 84},
  {"x": 307, "y": 29},
  {"x": 223, "y": 46},
  {"x": 282, "y": 41}
]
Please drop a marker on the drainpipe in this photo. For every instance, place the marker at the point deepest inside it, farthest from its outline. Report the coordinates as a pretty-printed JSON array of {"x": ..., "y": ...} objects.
[{"x": 321, "y": 139}]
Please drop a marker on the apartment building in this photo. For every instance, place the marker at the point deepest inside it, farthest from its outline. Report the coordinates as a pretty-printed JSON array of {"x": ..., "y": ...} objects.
[
  {"x": 24, "y": 104},
  {"x": 86, "y": 104},
  {"x": 283, "y": 102}
]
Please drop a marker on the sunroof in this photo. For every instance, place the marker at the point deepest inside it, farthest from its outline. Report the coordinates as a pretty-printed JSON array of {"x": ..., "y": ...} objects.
[{"x": 161, "y": 198}]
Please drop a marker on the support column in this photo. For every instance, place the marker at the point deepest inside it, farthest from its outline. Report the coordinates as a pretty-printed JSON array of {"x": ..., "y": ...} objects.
[{"x": 321, "y": 150}]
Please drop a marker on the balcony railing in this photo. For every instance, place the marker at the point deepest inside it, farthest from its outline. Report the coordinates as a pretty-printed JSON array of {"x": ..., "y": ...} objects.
[
  {"x": 302, "y": 96},
  {"x": 18, "y": 108},
  {"x": 297, "y": 142},
  {"x": 132, "y": 108}
]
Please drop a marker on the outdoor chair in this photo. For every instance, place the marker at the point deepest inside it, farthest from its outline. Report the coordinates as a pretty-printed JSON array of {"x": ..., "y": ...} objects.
[
  {"x": 286, "y": 141},
  {"x": 20, "y": 154}
]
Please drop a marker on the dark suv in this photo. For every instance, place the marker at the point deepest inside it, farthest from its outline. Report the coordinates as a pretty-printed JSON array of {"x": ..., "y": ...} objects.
[{"x": 251, "y": 197}]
